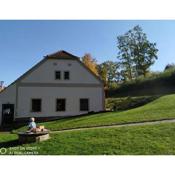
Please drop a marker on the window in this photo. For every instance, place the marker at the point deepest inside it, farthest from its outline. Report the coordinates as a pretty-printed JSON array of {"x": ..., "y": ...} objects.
[
  {"x": 60, "y": 104},
  {"x": 57, "y": 75},
  {"x": 84, "y": 104},
  {"x": 66, "y": 75},
  {"x": 36, "y": 105}
]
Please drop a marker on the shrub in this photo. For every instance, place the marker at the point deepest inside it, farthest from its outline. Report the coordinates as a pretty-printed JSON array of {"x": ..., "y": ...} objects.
[
  {"x": 157, "y": 84},
  {"x": 118, "y": 104}
]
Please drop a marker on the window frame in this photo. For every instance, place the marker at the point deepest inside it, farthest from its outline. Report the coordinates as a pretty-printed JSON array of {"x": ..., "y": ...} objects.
[
  {"x": 68, "y": 75},
  {"x": 32, "y": 105},
  {"x": 56, "y": 75},
  {"x": 87, "y": 104},
  {"x": 57, "y": 104}
]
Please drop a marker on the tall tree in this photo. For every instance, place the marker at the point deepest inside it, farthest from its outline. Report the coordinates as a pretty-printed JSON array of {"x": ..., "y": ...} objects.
[
  {"x": 90, "y": 62},
  {"x": 136, "y": 53},
  {"x": 124, "y": 55},
  {"x": 109, "y": 72},
  {"x": 102, "y": 72}
]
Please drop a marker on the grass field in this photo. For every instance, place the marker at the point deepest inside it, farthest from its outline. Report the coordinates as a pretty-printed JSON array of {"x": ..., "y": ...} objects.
[
  {"x": 158, "y": 139},
  {"x": 161, "y": 108}
]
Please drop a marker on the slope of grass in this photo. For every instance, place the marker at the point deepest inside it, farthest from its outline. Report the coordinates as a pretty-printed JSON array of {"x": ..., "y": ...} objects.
[
  {"x": 156, "y": 139},
  {"x": 125, "y": 103},
  {"x": 162, "y": 108}
]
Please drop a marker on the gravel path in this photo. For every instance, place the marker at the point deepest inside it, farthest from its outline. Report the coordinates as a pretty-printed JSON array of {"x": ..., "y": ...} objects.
[{"x": 118, "y": 125}]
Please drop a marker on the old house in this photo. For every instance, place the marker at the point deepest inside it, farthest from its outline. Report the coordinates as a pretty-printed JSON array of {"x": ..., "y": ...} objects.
[{"x": 60, "y": 85}]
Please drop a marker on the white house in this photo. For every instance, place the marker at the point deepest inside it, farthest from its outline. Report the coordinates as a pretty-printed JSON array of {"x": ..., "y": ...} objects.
[{"x": 59, "y": 85}]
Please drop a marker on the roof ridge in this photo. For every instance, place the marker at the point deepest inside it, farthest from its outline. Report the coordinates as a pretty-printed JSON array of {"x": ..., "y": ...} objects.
[{"x": 61, "y": 53}]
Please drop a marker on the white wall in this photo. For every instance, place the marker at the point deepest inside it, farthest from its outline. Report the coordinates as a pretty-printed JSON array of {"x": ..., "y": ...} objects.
[
  {"x": 46, "y": 73},
  {"x": 49, "y": 96},
  {"x": 7, "y": 96}
]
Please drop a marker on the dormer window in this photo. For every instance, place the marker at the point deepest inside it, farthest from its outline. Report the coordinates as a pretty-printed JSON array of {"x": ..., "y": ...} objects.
[
  {"x": 66, "y": 75},
  {"x": 58, "y": 75}
]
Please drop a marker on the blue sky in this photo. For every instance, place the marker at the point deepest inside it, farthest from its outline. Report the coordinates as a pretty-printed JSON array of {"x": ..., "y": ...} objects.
[{"x": 24, "y": 43}]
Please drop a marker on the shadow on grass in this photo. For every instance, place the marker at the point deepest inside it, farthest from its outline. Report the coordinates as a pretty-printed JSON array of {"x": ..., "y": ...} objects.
[
  {"x": 11, "y": 143},
  {"x": 12, "y": 126},
  {"x": 24, "y": 121}
]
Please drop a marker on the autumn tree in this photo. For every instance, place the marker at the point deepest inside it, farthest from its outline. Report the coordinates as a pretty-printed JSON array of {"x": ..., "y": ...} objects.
[
  {"x": 90, "y": 62},
  {"x": 136, "y": 53},
  {"x": 1, "y": 85}
]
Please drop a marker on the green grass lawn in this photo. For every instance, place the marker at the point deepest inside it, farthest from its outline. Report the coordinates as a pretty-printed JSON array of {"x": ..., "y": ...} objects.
[
  {"x": 162, "y": 108},
  {"x": 133, "y": 140},
  {"x": 158, "y": 139}
]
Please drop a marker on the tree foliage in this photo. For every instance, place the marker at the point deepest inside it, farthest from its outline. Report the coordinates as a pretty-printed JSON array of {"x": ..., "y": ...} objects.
[
  {"x": 109, "y": 72},
  {"x": 136, "y": 53},
  {"x": 102, "y": 71},
  {"x": 90, "y": 62},
  {"x": 169, "y": 66}
]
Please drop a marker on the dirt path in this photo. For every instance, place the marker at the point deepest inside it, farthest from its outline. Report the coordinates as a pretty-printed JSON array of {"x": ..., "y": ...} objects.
[{"x": 118, "y": 125}]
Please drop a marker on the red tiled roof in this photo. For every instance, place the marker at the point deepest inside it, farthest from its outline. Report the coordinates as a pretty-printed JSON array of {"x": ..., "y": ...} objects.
[{"x": 61, "y": 54}]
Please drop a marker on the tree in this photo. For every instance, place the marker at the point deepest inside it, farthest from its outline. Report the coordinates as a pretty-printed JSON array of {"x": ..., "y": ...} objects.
[
  {"x": 169, "y": 66},
  {"x": 125, "y": 58},
  {"x": 109, "y": 72},
  {"x": 90, "y": 62},
  {"x": 102, "y": 72},
  {"x": 1, "y": 85},
  {"x": 136, "y": 53}
]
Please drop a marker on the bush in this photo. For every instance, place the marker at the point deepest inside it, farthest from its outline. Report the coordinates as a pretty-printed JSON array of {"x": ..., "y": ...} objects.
[
  {"x": 118, "y": 104},
  {"x": 155, "y": 84}
]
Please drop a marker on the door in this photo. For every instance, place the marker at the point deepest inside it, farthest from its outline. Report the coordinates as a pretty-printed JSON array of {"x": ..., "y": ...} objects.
[{"x": 7, "y": 113}]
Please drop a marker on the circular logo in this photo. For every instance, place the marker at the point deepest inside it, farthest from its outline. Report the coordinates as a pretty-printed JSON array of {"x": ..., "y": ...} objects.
[{"x": 3, "y": 151}]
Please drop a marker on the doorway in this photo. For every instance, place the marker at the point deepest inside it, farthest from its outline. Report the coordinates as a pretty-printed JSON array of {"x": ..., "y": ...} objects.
[{"x": 7, "y": 113}]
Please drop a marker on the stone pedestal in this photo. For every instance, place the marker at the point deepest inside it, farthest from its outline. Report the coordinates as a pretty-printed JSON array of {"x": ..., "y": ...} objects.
[{"x": 32, "y": 137}]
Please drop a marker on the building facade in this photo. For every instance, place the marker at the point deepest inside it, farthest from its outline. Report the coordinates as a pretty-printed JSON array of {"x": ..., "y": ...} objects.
[{"x": 60, "y": 85}]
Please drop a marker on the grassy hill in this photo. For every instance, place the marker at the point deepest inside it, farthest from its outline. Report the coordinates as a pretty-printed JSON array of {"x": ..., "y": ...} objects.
[
  {"x": 157, "y": 84},
  {"x": 125, "y": 103},
  {"x": 161, "y": 108},
  {"x": 152, "y": 139},
  {"x": 136, "y": 140}
]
